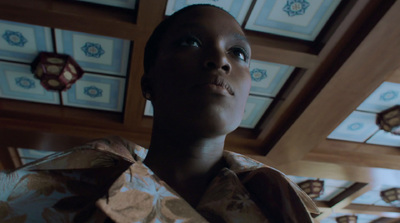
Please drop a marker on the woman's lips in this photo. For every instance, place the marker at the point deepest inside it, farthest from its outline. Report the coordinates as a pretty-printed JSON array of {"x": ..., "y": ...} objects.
[{"x": 220, "y": 85}]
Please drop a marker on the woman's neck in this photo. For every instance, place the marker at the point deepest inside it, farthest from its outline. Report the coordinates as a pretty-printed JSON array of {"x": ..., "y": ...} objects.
[{"x": 186, "y": 163}]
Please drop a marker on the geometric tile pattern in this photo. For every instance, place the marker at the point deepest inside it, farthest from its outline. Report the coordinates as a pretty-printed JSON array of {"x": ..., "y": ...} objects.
[
  {"x": 360, "y": 126},
  {"x": 17, "y": 82},
  {"x": 237, "y": 8},
  {"x": 95, "y": 53},
  {"x": 302, "y": 19},
  {"x": 106, "y": 56},
  {"x": 332, "y": 187},
  {"x": 129, "y": 4},
  {"x": 22, "y": 42},
  {"x": 96, "y": 92}
]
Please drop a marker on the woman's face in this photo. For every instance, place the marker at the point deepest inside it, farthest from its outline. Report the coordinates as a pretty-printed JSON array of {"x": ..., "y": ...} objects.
[{"x": 201, "y": 77}]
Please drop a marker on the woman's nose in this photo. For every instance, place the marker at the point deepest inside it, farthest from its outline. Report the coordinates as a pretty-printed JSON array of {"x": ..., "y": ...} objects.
[{"x": 217, "y": 59}]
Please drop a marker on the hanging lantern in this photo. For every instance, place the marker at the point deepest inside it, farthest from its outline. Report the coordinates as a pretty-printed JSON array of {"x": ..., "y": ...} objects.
[
  {"x": 314, "y": 188},
  {"x": 391, "y": 195},
  {"x": 389, "y": 120},
  {"x": 347, "y": 219},
  {"x": 56, "y": 71}
]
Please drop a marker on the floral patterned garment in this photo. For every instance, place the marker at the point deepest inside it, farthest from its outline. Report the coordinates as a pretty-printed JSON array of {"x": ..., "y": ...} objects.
[{"x": 107, "y": 180}]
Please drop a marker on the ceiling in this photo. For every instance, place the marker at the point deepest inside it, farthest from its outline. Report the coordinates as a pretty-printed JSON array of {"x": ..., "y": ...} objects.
[{"x": 321, "y": 70}]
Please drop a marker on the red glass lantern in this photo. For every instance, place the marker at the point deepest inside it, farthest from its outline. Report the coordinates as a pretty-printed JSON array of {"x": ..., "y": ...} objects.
[
  {"x": 314, "y": 188},
  {"x": 56, "y": 71},
  {"x": 389, "y": 120}
]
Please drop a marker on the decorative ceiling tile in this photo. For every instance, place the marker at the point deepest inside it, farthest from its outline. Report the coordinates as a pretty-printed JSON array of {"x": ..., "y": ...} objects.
[
  {"x": 385, "y": 138},
  {"x": 268, "y": 78},
  {"x": 237, "y": 8},
  {"x": 129, "y": 4},
  {"x": 17, "y": 82},
  {"x": 373, "y": 197},
  {"x": 358, "y": 127},
  {"x": 368, "y": 198},
  {"x": 384, "y": 97},
  {"x": 96, "y": 92},
  {"x": 22, "y": 42},
  {"x": 255, "y": 108},
  {"x": 302, "y": 19},
  {"x": 95, "y": 53}
]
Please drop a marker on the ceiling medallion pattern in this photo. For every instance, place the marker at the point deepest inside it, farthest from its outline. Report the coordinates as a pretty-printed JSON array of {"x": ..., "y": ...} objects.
[
  {"x": 93, "y": 91},
  {"x": 25, "y": 82},
  {"x": 14, "y": 38},
  {"x": 296, "y": 7},
  {"x": 92, "y": 50}
]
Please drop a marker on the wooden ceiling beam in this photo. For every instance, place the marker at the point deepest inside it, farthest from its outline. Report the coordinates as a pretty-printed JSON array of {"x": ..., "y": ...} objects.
[
  {"x": 134, "y": 101},
  {"x": 264, "y": 51},
  {"x": 356, "y": 154},
  {"x": 390, "y": 212},
  {"x": 370, "y": 175}
]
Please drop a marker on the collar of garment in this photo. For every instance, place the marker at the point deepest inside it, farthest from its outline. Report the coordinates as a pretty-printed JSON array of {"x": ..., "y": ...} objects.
[{"x": 246, "y": 191}]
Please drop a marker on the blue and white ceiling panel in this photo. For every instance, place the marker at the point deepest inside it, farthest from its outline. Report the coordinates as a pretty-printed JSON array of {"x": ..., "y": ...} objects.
[
  {"x": 268, "y": 78},
  {"x": 237, "y": 8},
  {"x": 357, "y": 127},
  {"x": 17, "y": 82},
  {"x": 373, "y": 197},
  {"x": 96, "y": 92},
  {"x": 384, "y": 97},
  {"x": 254, "y": 110},
  {"x": 385, "y": 138},
  {"x": 22, "y": 42},
  {"x": 360, "y": 126},
  {"x": 129, "y": 4},
  {"x": 302, "y": 19},
  {"x": 95, "y": 53}
]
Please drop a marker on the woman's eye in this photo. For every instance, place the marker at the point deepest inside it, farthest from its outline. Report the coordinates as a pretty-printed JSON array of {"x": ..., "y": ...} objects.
[
  {"x": 240, "y": 54},
  {"x": 190, "y": 41}
]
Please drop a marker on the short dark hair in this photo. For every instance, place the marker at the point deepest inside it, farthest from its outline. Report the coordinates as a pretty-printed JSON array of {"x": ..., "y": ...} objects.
[{"x": 152, "y": 45}]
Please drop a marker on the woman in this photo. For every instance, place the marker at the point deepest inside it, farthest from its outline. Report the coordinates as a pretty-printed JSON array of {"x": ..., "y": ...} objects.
[{"x": 197, "y": 78}]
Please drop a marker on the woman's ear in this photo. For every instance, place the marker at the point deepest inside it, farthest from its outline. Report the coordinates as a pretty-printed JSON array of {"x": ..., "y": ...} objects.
[{"x": 147, "y": 89}]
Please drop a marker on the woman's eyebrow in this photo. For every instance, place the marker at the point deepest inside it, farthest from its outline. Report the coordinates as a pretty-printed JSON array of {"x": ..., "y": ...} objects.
[{"x": 240, "y": 37}]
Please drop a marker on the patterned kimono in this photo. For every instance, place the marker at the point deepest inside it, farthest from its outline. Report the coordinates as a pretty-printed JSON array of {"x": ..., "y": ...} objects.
[{"x": 106, "y": 181}]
